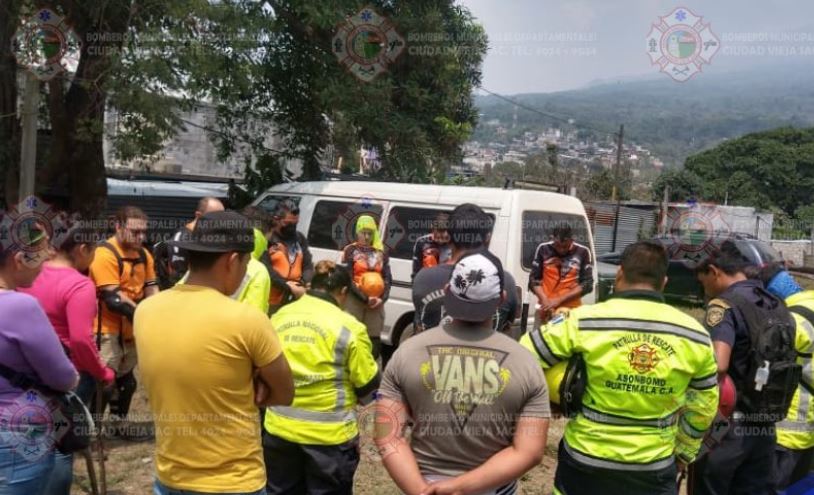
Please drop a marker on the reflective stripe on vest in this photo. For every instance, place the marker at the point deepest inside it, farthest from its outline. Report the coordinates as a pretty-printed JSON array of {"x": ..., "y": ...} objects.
[
  {"x": 612, "y": 419},
  {"x": 618, "y": 466},
  {"x": 598, "y": 324},
  {"x": 542, "y": 348}
]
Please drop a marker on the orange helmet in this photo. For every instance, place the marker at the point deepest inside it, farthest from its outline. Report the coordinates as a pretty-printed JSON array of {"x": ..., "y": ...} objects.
[{"x": 372, "y": 284}]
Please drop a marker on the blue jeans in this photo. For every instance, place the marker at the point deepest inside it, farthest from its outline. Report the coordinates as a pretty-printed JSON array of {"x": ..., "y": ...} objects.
[
  {"x": 61, "y": 479},
  {"x": 22, "y": 476},
  {"x": 161, "y": 489}
]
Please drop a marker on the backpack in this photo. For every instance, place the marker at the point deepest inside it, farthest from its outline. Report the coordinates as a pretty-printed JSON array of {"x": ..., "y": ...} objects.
[
  {"x": 773, "y": 373},
  {"x": 142, "y": 256},
  {"x": 162, "y": 257}
]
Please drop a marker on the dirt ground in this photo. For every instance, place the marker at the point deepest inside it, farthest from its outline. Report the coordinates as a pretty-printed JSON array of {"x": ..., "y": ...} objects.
[{"x": 129, "y": 467}]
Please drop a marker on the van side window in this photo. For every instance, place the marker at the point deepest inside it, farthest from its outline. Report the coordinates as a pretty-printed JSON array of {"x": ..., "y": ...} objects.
[
  {"x": 270, "y": 202},
  {"x": 404, "y": 226},
  {"x": 333, "y": 222},
  {"x": 537, "y": 227}
]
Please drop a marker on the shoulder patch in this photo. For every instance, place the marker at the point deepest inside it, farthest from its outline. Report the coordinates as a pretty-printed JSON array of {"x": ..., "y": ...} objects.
[
  {"x": 557, "y": 319},
  {"x": 719, "y": 302},
  {"x": 714, "y": 315}
]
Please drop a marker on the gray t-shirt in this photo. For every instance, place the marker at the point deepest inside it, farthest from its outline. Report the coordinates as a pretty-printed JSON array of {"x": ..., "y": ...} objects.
[
  {"x": 428, "y": 297},
  {"x": 466, "y": 387}
]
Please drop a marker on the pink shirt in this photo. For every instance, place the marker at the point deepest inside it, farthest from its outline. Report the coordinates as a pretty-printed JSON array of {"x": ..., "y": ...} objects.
[{"x": 69, "y": 300}]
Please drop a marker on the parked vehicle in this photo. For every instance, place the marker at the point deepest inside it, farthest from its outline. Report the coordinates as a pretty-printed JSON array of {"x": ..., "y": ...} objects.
[
  {"x": 523, "y": 219},
  {"x": 685, "y": 253}
]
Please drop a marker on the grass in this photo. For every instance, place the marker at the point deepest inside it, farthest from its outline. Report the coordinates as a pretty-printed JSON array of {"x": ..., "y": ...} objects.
[{"x": 130, "y": 465}]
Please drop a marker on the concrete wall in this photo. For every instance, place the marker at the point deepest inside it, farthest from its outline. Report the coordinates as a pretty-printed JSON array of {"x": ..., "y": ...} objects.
[{"x": 793, "y": 251}]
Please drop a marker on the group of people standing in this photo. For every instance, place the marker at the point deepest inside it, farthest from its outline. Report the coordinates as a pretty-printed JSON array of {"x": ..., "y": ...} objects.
[{"x": 247, "y": 322}]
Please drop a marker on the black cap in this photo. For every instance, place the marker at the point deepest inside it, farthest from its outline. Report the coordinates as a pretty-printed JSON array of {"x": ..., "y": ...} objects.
[{"x": 219, "y": 232}]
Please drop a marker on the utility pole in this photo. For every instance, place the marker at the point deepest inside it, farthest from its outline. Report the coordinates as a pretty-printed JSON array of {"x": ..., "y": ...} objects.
[
  {"x": 665, "y": 206},
  {"x": 616, "y": 186},
  {"x": 28, "y": 152}
]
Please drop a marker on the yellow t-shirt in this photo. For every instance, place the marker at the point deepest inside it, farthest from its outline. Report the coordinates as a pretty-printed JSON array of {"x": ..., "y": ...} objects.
[{"x": 197, "y": 351}]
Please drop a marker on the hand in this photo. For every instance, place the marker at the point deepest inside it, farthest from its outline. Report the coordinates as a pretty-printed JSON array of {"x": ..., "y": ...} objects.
[
  {"x": 681, "y": 465},
  {"x": 296, "y": 289},
  {"x": 373, "y": 302},
  {"x": 551, "y": 304},
  {"x": 446, "y": 487},
  {"x": 109, "y": 377}
]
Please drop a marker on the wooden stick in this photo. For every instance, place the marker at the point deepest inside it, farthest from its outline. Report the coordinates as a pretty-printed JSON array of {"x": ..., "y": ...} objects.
[{"x": 99, "y": 438}]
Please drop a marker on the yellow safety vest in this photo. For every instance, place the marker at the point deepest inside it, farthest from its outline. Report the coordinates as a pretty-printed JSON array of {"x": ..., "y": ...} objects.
[
  {"x": 797, "y": 430},
  {"x": 331, "y": 357},
  {"x": 651, "y": 389}
]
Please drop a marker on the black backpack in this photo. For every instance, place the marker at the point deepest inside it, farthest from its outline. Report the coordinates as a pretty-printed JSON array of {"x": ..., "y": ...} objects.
[{"x": 773, "y": 373}]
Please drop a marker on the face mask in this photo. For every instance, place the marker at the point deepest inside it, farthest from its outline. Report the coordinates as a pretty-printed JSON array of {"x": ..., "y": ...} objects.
[{"x": 289, "y": 231}]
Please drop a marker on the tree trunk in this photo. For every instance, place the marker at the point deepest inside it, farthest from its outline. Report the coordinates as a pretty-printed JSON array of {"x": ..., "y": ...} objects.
[{"x": 9, "y": 123}]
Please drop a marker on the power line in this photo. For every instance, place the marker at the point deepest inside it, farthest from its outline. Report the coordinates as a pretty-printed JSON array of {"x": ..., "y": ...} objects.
[{"x": 543, "y": 113}]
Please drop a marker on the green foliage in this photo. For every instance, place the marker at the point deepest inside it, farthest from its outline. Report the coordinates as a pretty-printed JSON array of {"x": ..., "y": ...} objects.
[
  {"x": 773, "y": 169},
  {"x": 684, "y": 185}
]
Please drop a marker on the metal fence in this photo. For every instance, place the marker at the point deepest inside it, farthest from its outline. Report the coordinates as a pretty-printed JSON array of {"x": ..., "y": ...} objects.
[{"x": 793, "y": 230}]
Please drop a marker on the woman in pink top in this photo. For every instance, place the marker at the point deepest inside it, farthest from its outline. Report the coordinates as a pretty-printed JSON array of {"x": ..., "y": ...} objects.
[{"x": 69, "y": 301}]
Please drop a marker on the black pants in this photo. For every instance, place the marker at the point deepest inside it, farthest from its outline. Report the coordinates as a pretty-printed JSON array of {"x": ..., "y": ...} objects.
[
  {"x": 741, "y": 465},
  {"x": 790, "y": 466},
  {"x": 575, "y": 478},
  {"x": 292, "y": 468}
]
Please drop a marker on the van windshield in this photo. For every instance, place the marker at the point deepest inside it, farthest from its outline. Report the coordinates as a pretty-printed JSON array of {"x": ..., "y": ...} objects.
[{"x": 537, "y": 227}]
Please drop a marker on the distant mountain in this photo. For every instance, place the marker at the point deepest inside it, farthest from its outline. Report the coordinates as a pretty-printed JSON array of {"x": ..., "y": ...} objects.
[{"x": 673, "y": 119}]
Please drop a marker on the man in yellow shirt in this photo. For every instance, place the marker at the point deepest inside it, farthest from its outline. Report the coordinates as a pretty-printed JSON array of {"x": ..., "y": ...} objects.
[{"x": 208, "y": 362}]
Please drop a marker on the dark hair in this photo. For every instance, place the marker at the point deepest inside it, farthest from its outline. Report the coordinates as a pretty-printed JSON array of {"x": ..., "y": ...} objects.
[
  {"x": 330, "y": 277},
  {"x": 76, "y": 236},
  {"x": 125, "y": 213},
  {"x": 204, "y": 202},
  {"x": 37, "y": 234},
  {"x": 645, "y": 262},
  {"x": 469, "y": 226},
  {"x": 441, "y": 221},
  {"x": 200, "y": 260},
  {"x": 562, "y": 232},
  {"x": 285, "y": 206},
  {"x": 727, "y": 258},
  {"x": 258, "y": 217}
]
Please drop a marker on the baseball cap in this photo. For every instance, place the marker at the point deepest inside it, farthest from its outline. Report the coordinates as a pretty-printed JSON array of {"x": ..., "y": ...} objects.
[
  {"x": 219, "y": 232},
  {"x": 475, "y": 287}
]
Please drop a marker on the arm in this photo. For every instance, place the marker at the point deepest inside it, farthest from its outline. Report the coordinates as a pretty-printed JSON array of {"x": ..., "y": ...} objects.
[
  {"x": 555, "y": 341},
  {"x": 699, "y": 410},
  {"x": 80, "y": 310},
  {"x": 387, "y": 275},
  {"x": 586, "y": 274},
  {"x": 556, "y": 302},
  {"x": 397, "y": 456},
  {"x": 719, "y": 321},
  {"x": 723, "y": 353},
  {"x": 347, "y": 259},
  {"x": 150, "y": 279},
  {"x": 307, "y": 260},
  {"x": 536, "y": 273},
  {"x": 42, "y": 348},
  {"x": 507, "y": 465},
  {"x": 417, "y": 258},
  {"x": 277, "y": 387},
  {"x": 364, "y": 372}
]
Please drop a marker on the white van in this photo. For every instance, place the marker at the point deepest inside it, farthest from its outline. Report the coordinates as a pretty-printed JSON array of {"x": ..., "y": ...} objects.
[{"x": 523, "y": 219}]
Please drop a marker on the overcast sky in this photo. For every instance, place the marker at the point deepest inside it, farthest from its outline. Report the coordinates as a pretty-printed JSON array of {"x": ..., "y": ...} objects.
[{"x": 606, "y": 39}]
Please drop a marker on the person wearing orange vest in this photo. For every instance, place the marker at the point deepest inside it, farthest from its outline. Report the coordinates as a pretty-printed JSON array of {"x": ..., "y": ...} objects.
[
  {"x": 369, "y": 266},
  {"x": 561, "y": 274},
  {"x": 287, "y": 257}
]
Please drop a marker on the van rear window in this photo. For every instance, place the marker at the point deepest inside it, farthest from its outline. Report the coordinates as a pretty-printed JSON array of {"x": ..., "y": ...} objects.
[
  {"x": 334, "y": 222},
  {"x": 537, "y": 228},
  {"x": 404, "y": 226},
  {"x": 270, "y": 202}
]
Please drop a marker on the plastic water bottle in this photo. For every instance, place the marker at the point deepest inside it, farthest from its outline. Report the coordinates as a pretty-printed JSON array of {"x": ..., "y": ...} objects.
[{"x": 762, "y": 376}]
